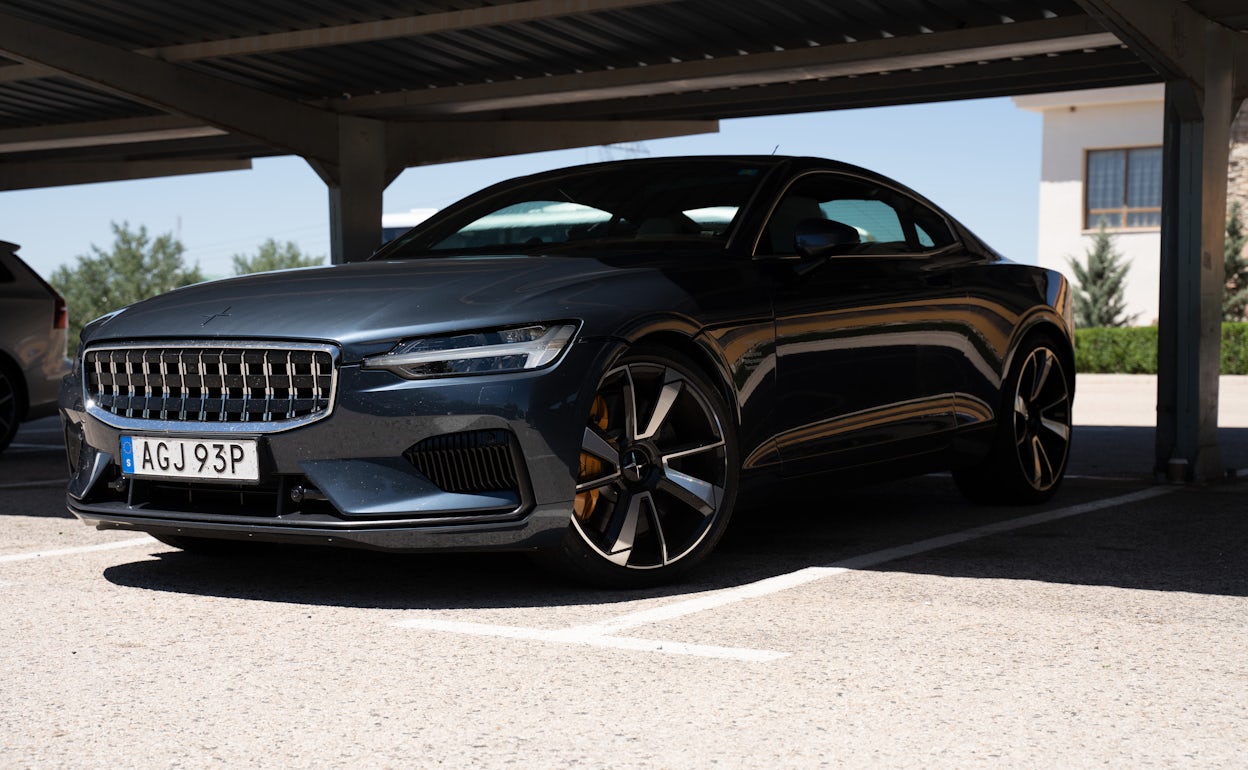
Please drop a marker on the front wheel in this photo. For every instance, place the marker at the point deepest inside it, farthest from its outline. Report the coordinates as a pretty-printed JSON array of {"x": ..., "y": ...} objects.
[
  {"x": 1032, "y": 443},
  {"x": 657, "y": 475}
]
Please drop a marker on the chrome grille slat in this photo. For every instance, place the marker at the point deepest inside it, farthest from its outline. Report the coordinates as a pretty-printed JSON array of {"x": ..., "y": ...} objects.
[
  {"x": 290, "y": 382},
  {"x": 181, "y": 387},
  {"x": 224, "y": 390},
  {"x": 233, "y": 386},
  {"x": 268, "y": 390},
  {"x": 164, "y": 388},
  {"x": 147, "y": 385}
]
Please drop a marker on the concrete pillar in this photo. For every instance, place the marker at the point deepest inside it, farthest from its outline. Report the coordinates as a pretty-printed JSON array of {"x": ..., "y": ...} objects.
[
  {"x": 356, "y": 187},
  {"x": 1197, "y": 152}
]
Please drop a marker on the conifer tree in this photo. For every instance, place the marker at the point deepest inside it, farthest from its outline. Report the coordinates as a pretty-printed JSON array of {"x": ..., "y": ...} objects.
[
  {"x": 1100, "y": 296},
  {"x": 1235, "y": 298}
]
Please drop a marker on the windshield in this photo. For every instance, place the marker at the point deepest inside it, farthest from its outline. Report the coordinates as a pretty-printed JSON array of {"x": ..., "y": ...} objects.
[{"x": 694, "y": 202}]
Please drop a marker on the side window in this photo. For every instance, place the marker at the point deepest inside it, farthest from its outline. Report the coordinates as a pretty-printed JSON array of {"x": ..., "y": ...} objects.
[
  {"x": 875, "y": 220},
  {"x": 924, "y": 238},
  {"x": 887, "y": 221}
]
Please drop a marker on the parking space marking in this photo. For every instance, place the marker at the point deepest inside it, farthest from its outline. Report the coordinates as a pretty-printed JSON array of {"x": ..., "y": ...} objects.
[
  {"x": 12, "y": 557},
  {"x": 603, "y": 633},
  {"x": 576, "y": 635}
]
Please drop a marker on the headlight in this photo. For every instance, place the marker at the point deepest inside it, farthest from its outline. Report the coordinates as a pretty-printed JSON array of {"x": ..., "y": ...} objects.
[{"x": 489, "y": 352}]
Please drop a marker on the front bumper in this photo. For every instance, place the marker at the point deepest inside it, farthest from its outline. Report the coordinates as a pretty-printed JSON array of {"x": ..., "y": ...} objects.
[
  {"x": 349, "y": 479},
  {"x": 542, "y": 527}
]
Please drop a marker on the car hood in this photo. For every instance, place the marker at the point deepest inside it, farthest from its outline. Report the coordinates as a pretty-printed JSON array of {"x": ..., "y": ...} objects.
[{"x": 379, "y": 302}]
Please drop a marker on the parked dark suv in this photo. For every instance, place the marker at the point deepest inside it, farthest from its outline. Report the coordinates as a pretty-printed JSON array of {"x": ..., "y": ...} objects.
[{"x": 32, "y": 344}]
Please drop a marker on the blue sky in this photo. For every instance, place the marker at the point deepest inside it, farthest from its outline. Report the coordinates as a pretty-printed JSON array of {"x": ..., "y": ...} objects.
[{"x": 979, "y": 159}]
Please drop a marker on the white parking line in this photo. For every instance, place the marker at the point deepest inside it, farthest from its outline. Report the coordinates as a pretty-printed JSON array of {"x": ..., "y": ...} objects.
[
  {"x": 592, "y": 639},
  {"x": 12, "y": 557},
  {"x": 602, "y": 634}
]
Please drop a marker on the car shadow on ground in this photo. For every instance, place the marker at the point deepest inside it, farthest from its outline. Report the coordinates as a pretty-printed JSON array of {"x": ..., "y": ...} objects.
[
  {"x": 1192, "y": 539},
  {"x": 762, "y": 543}
]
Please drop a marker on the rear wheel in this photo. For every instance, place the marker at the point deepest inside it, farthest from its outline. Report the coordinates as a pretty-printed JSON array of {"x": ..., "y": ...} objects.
[
  {"x": 1032, "y": 443},
  {"x": 657, "y": 475}
]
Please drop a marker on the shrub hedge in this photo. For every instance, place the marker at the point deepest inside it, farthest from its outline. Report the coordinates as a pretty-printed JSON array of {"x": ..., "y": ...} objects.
[{"x": 1133, "y": 349}]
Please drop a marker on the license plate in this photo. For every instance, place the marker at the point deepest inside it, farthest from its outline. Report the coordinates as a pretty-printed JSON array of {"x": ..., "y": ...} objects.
[{"x": 178, "y": 458}]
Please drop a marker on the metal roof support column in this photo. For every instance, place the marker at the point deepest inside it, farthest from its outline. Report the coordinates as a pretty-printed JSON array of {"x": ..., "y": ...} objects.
[
  {"x": 1197, "y": 145},
  {"x": 1205, "y": 66},
  {"x": 356, "y": 186}
]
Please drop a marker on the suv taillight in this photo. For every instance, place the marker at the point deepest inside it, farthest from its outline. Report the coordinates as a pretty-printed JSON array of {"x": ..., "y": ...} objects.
[{"x": 60, "y": 313}]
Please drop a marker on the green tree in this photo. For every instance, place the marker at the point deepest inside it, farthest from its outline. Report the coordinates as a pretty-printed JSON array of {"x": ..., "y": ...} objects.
[
  {"x": 1235, "y": 298},
  {"x": 136, "y": 268},
  {"x": 1102, "y": 280},
  {"x": 274, "y": 256}
]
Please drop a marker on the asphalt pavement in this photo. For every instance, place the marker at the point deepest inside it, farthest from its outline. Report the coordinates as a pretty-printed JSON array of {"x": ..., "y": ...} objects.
[{"x": 893, "y": 626}]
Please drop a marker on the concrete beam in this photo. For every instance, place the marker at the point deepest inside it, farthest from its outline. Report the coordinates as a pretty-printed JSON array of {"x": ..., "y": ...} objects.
[
  {"x": 1169, "y": 35},
  {"x": 419, "y": 144},
  {"x": 33, "y": 175},
  {"x": 287, "y": 125},
  {"x": 103, "y": 133}
]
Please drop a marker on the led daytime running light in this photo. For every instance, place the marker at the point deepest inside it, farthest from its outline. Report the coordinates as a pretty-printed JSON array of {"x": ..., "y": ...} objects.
[{"x": 537, "y": 353}]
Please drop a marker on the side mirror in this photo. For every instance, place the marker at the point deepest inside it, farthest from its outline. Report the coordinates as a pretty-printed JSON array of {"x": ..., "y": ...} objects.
[{"x": 823, "y": 238}]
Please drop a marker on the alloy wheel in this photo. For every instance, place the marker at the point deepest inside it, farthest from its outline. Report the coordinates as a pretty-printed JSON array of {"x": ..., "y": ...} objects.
[
  {"x": 654, "y": 467},
  {"x": 1042, "y": 413}
]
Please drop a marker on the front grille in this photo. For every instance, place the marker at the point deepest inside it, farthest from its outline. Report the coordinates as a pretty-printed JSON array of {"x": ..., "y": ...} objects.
[
  {"x": 467, "y": 463},
  {"x": 221, "y": 384}
]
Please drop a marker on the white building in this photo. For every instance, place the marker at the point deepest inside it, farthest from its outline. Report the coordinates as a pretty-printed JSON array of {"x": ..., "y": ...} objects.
[{"x": 1101, "y": 162}]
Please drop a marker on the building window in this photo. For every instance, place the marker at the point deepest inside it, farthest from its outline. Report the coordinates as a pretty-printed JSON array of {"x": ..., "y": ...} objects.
[{"x": 1123, "y": 188}]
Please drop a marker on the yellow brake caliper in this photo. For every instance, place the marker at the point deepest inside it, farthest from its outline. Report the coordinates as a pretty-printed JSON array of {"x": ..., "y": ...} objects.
[{"x": 590, "y": 467}]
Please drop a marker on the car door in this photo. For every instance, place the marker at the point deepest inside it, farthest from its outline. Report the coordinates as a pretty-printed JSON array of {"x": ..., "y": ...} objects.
[{"x": 860, "y": 334}]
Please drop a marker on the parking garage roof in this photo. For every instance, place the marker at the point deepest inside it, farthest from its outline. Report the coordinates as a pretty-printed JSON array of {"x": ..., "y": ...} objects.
[{"x": 97, "y": 89}]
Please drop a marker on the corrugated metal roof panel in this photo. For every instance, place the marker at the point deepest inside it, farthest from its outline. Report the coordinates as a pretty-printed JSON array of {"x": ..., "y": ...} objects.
[
  {"x": 306, "y": 50},
  {"x": 50, "y": 101},
  {"x": 652, "y": 34}
]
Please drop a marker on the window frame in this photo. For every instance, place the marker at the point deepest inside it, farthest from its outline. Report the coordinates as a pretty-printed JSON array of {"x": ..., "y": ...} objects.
[{"x": 1124, "y": 211}]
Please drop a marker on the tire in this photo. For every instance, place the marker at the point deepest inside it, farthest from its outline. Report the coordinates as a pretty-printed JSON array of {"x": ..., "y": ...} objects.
[
  {"x": 10, "y": 405},
  {"x": 657, "y": 477},
  {"x": 1032, "y": 443}
]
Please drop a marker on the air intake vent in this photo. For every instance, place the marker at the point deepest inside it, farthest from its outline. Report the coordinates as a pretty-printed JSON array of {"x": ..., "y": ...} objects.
[{"x": 465, "y": 463}]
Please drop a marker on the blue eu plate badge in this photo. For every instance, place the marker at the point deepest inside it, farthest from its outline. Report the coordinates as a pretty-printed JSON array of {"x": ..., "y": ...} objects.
[{"x": 127, "y": 454}]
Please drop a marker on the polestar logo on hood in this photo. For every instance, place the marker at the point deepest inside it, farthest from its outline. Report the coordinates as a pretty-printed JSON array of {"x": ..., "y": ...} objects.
[{"x": 208, "y": 318}]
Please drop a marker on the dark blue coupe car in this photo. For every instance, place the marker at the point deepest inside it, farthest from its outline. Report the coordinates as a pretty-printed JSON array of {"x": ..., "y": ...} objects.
[{"x": 589, "y": 363}]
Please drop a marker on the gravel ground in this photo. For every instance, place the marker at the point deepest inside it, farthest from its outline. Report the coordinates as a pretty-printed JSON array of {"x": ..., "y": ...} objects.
[{"x": 830, "y": 630}]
